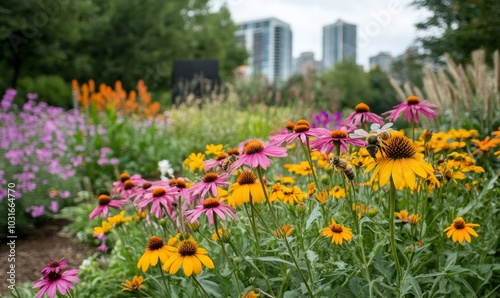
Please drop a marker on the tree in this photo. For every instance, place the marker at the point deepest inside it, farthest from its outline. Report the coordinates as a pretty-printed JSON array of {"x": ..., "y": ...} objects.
[
  {"x": 383, "y": 96},
  {"x": 462, "y": 25}
]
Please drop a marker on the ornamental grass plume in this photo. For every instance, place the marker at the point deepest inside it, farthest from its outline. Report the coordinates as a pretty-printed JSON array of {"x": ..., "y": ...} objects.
[
  {"x": 460, "y": 231},
  {"x": 190, "y": 256},
  {"x": 401, "y": 163}
]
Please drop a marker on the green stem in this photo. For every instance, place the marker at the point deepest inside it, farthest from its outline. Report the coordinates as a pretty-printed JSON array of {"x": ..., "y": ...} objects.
[
  {"x": 290, "y": 251},
  {"x": 264, "y": 189},
  {"x": 226, "y": 255},
  {"x": 163, "y": 278},
  {"x": 307, "y": 153},
  {"x": 202, "y": 290},
  {"x": 392, "y": 239}
]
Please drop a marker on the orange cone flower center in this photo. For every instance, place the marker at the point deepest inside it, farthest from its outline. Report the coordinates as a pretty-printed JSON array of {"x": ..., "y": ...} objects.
[
  {"x": 124, "y": 177},
  {"x": 211, "y": 203},
  {"x": 159, "y": 191},
  {"x": 188, "y": 248},
  {"x": 128, "y": 184},
  {"x": 336, "y": 228},
  {"x": 247, "y": 177},
  {"x": 155, "y": 243},
  {"x": 253, "y": 147},
  {"x": 103, "y": 200},
  {"x": 210, "y": 177},
  {"x": 362, "y": 108},
  {"x": 459, "y": 225},
  {"x": 412, "y": 100},
  {"x": 338, "y": 134},
  {"x": 399, "y": 147},
  {"x": 301, "y": 126}
]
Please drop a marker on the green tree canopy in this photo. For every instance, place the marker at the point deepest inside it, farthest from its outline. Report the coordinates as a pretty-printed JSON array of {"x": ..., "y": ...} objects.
[{"x": 462, "y": 26}]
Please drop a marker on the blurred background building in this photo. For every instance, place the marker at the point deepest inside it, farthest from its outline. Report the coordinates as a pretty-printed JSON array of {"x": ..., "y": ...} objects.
[
  {"x": 383, "y": 60},
  {"x": 305, "y": 64},
  {"x": 269, "y": 43},
  {"x": 339, "y": 43}
]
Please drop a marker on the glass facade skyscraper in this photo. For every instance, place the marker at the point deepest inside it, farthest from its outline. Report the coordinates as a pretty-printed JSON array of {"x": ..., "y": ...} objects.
[
  {"x": 269, "y": 43},
  {"x": 339, "y": 43}
]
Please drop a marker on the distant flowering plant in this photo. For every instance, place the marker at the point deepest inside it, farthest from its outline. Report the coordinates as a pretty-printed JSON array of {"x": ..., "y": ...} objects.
[{"x": 413, "y": 108}]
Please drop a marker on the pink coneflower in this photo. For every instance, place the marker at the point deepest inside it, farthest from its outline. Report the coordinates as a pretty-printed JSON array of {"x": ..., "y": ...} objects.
[
  {"x": 119, "y": 186},
  {"x": 301, "y": 130},
  {"x": 159, "y": 197},
  {"x": 337, "y": 137},
  {"x": 105, "y": 202},
  {"x": 181, "y": 185},
  {"x": 52, "y": 282},
  {"x": 209, "y": 207},
  {"x": 209, "y": 184},
  {"x": 413, "y": 108},
  {"x": 362, "y": 114},
  {"x": 54, "y": 266},
  {"x": 256, "y": 152}
]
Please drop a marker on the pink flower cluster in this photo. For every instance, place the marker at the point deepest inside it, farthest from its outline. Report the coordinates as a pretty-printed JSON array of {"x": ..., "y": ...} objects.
[{"x": 56, "y": 278}]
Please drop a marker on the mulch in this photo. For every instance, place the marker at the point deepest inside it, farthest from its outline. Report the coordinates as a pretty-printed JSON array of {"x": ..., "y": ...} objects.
[{"x": 34, "y": 251}]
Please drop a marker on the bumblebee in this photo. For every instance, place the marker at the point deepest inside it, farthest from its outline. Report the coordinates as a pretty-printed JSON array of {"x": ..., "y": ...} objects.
[
  {"x": 342, "y": 165},
  {"x": 228, "y": 161},
  {"x": 375, "y": 139}
]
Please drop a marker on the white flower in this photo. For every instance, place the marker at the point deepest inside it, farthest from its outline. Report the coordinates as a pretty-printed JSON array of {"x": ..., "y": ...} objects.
[{"x": 165, "y": 168}]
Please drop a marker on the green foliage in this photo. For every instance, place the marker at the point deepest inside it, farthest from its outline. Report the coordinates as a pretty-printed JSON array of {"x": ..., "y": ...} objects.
[
  {"x": 383, "y": 95},
  {"x": 462, "y": 26},
  {"x": 51, "y": 89},
  {"x": 113, "y": 40}
]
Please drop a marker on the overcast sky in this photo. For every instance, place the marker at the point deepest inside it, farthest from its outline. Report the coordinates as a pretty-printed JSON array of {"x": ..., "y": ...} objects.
[{"x": 383, "y": 25}]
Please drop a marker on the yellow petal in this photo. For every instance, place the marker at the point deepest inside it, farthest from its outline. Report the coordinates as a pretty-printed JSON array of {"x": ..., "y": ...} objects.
[
  {"x": 176, "y": 264},
  {"x": 154, "y": 257},
  {"x": 471, "y": 231},
  {"x": 420, "y": 167},
  {"x": 187, "y": 264},
  {"x": 206, "y": 261},
  {"x": 196, "y": 265},
  {"x": 385, "y": 172},
  {"x": 397, "y": 175},
  {"x": 409, "y": 175}
]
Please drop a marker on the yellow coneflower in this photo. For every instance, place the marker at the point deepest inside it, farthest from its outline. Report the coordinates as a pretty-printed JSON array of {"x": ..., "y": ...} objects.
[
  {"x": 322, "y": 196},
  {"x": 103, "y": 229},
  {"x": 250, "y": 294},
  {"x": 402, "y": 215},
  {"x": 337, "y": 192},
  {"x": 190, "y": 256},
  {"x": 221, "y": 234},
  {"x": 134, "y": 284},
  {"x": 119, "y": 218},
  {"x": 292, "y": 195},
  {"x": 246, "y": 185},
  {"x": 337, "y": 232},
  {"x": 195, "y": 162},
  {"x": 401, "y": 163},
  {"x": 155, "y": 249},
  {"x": 311, "y": 189},
  {"x": 214, "y": 149},
  {"x": 460, "y": 231},
  {"x": 413, "y": 219},
  {"x": 277, "y": 192},
  {"x": 285, "y": 230}
]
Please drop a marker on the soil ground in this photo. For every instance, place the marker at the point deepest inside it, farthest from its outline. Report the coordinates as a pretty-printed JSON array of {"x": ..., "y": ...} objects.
[{"x": 34, "y": 251}]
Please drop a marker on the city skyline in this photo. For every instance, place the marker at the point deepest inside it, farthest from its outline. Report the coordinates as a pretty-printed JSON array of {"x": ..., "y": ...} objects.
[{"x": 382, "y": 26}]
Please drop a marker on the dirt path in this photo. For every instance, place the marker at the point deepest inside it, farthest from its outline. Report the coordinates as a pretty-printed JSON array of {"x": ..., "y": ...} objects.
[{"x": 34, "y": 251}]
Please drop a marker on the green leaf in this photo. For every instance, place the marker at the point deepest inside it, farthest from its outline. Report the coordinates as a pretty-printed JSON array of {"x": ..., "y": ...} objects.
[
  {"x": 273, "y": 259},
  {"x": 315, "y": 214}
]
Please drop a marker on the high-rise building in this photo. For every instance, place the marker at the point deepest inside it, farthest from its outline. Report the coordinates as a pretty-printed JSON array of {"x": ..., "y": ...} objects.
[
  {"x": 269, "y": 43},
  {"x": 305, "y": 64},
  {"x": 383, "y": 60},
  {"x": 339, "y": 43}
]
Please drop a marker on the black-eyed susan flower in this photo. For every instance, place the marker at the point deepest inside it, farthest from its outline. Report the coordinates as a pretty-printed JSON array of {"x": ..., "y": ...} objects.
[
  {"x": 303, "y": 168},
  {"x": 134, "y": 284},
  {"x": 100, "y": 232},
  {"x": 401, "y": 163},
  {"x": 460, "y": 231},
  {"x": 246, "y": 185},
  {"x": 285, "y": 230},
  {"x": 322, "y": 196},
  {"x": 292, "y": 195},
  {"x": 413, "y": 219},
  {"x": 221, "y": 234},
  {"x": 190, "y": 256},
  {"x": 250, "y": 294},
  {"x": 402, "y": 215},
  {"x": 337, "y": 232},
  {"x": 195, "y": 162},
  {"x": 213, "y": 149},
  {"x": 337, "y": 192},
  {"x": 155, "y": 250}
]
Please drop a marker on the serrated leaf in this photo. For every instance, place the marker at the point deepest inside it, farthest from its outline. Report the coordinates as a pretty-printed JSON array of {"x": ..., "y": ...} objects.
[
  {"x": 312, "y": 256},
  {"x": 274, "y": 259},
  {"x": 211, "y": 287}
]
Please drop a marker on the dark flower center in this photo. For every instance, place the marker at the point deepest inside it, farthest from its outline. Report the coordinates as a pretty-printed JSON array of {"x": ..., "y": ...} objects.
[
  {"x": 146, "y": 185},
  {"x": 253, "y": 147},
  {"x": 124, "y": 177},
  {"x": 179, "y": 183},
  {"x": 399, "y": 147},
  {"x": 188, "y": 248},
  {"x": 338, "y": 134},
  {"x": 54, "y": 264},
  {"x": 301, "y": 126},
  {"x": 336, "y": 228},
  {"x": 128, "y": 184},
  {"x": 103, "y": 200},
  {"x": 247, "y": 177},
  {"x": 412, "y": 100},
  {"x": 459, "y": 225},
  {"x": 233, "y": 151},
  {"x": 289, "y": 125},
  {"x": 362, "y": 108},
  {"x": 211, "y": 203},
  {"x": 53, "y": 276},
  {"x": 158, "y": 192},
  {"x": 210, "y": 177},
  {"x": 155, "y": 243},
  {"x": 220, "y": 156}
]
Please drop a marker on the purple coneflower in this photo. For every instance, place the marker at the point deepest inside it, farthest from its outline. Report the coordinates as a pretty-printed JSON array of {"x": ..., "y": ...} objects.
[
  {"x": 105, "y": 202},
  {"x": 209, "y": 207},
  {"x": 209, "y": 184},
  {"x": 337, "y": 137},
  {"x": 301, "y": 130},
  {"x": 52, "y": 282},
  {"x": 413, "y": 108},
  {"x": 54, "y": 266},
  {"x": 362, "y": 114},
  {"x": 256, "y": 152},
  {"x": 159, "y": 197}
]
